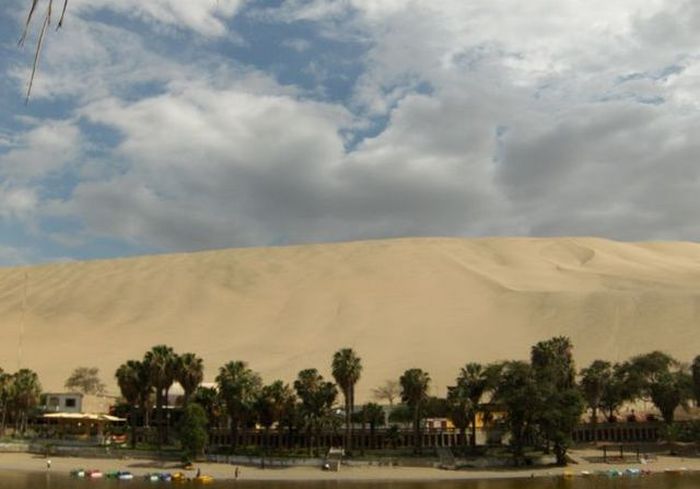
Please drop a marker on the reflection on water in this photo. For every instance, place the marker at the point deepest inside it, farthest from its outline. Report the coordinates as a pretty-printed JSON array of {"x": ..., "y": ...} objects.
[{"x": 49, "y": 480}]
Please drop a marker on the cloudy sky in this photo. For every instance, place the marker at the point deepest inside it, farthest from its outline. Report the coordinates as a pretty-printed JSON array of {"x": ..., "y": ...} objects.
[{"x": 172, "y": 125}]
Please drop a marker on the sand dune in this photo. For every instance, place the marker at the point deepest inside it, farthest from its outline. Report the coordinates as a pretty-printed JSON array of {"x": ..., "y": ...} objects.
[{"x": 429, "y": 303}]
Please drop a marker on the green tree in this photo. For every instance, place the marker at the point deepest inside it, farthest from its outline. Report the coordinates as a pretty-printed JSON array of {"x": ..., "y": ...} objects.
[
  {"x": 85, "y": 380},
  {"x": 271, "y": 405},
  {"x": 663, "y": 380},
  {"x": 474, "y": 380},
  {"x": 414, "y": 393},
  {"x": 460, "y": 408},
  {"x": 208, "y": 398},
  {"x": 238, "y": 387},
  {"x": 560, "y": 404},
  {"x": 189, "y": 372},
  {"x": 374, "y": 416},
  {"x": 518, "y": 395},
  {"x": 594, "y": 380},
  {"x": 193, "y": 432},
  {"x": 5, "y": 381},
  {"x": 160, "y": 362},
  {"x": 618, "y": 389},
  {"x": 130, "y": 376},
  {"x": 317, "y": 397},
  {"x": 24, "y": 391},
  {"x": 695, "y": 371},
  {"x": 347, "y": 368}
]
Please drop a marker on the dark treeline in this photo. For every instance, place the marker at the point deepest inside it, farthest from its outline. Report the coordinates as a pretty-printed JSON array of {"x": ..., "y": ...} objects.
[{"x": 537, "y": 403}]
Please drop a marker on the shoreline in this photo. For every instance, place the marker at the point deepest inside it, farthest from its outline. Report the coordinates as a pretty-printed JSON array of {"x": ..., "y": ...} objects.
[{"x": 28, "y": 462}]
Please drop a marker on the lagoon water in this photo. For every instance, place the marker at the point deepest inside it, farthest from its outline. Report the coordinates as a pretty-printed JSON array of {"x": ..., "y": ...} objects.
[{"x": 24, "y": 480}]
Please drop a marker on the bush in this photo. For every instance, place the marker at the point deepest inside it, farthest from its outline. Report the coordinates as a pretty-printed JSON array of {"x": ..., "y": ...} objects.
[{"x": 193, "y": 432}]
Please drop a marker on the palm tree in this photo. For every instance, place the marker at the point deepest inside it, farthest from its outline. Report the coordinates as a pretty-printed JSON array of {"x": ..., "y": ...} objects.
[
  {"x": 594, "y": 380},
  {"x": 474, "y": 381},
  {"x": 160, "y": 362},
  {"x": 414, "y": 392},
  {"x": 271, "y": 404},
  {"x": 373, "y": 415},
  {"x": 460, "y": 408},
  {"x": 238, "y": 387},
  {"x": 189, "y": 373},
  {"x": 317, "y": 398},
  {"x": 129, "y": 378},
  {"x": 347, "y": 368},
  {"x": 695, "y": 370},
  {"x": 5, "y": 380},
  {"x": 24, "y": 394}
]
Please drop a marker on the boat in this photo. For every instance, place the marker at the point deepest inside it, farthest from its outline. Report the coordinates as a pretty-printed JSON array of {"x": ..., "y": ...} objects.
[
  {"x": 633, "y": 471},
  {"x": 77, "y": 473},
  {"x": 152, "y": 477},
  {"x": 178, "y": 477},
  {"x": 94, "y": 474},
  {"x": 165, "y": 477},
  {"x": 586, "y": 473},
  {"x": 204, "y": 479}
]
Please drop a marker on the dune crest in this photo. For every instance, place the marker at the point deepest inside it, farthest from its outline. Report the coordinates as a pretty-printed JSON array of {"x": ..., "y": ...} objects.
[{"x": 433, "y": 303}]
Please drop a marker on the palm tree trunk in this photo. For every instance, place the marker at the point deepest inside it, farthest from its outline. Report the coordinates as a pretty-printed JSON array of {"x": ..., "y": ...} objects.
[
  {"x": 159, "y": 416},
  {"x": 472, "y": 441},
  {"x": 352, "y": 408},
  {"x": 416, "y": 431},
  {"x": 133, "y": 426},
  {"x": 346, "y": 395}
]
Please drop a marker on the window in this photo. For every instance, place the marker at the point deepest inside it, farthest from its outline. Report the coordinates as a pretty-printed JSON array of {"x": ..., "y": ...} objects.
[{"x": 70, "y": 402}]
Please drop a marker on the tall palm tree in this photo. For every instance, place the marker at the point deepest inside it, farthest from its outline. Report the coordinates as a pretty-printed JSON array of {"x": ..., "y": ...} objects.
[
  {"x": 189, "y": 373},
  {"x": 5, "y": 380},
  {"x": 24, "y": 394},
  {"x": 695, "y": 372},
  {"x": 238, "y": 388},
  {"x": 129, "y": 381},
  {"x": 594, "y": 380},
  {"x": 347, "y": 368},
  {"x": 160, "y": 362},
  {"x": 473, "y": 379},
  {"x": 414, "y": 392},
  {"x": 270, "y": 405},
  {"x": 317, "y": 397}
]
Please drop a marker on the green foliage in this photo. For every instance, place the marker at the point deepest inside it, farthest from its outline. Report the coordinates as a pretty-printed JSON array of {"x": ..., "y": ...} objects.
[
  {"x": 347, "y": 368},
  {"x": 662, "y": 379},
  {"x": 85, "y": 380},
  {"x": 273, "y": 402},
  {"x": 239, "y": 387},
  {"x": 695, "y": 371},
  {"x": 401, "y": 414},
  {"x": 558, "y": 403},
  {"x": 518, "y": 393},
  {"x": 317, "y": 396},
  {"x": 373, "y": 414},
  {"x": 594, "y": 380},
  {"x": 414, "y": 393},
  {"x": 189, "y": 372},
  {"x": 193, "y": 433}
]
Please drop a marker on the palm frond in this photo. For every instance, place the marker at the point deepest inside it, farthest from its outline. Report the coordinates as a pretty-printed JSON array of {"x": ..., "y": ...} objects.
[{"x": 42, "y": 33}]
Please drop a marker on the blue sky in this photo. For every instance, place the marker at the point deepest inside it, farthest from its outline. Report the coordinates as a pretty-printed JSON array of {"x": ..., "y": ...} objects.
[{"x": 181, "y": 125}]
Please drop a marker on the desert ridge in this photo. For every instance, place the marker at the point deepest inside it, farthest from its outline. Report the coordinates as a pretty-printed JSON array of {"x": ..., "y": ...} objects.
[{"x": 433, "y": 303}]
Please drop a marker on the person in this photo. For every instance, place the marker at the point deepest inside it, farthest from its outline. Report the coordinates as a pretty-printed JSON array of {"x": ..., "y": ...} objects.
[
  {"x": 237, "y": 472},
  {"x": 199, "y": 472},
  {"x": 48, "y": 464}
]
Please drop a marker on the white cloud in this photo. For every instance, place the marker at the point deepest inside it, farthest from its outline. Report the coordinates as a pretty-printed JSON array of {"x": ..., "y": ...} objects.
[{"x": 206, "y": 17}]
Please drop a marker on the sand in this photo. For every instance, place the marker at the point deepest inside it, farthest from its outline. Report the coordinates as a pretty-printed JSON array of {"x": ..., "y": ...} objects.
[
  {"x": 29, "y": 462},
  {"x": 432, "y": 303}
]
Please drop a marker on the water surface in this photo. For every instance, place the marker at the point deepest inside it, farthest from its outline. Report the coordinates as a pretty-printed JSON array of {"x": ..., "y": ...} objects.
[{"x": 53, "y": 480}]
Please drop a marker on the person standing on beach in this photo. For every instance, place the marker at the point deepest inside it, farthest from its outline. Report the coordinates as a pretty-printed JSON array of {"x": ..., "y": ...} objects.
[
  {"x": 48, "y": 464},
  {"x": 237, "y": 472}
]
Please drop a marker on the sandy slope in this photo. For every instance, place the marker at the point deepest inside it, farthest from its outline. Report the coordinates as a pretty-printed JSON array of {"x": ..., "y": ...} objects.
[{"x": 429, "y": 303}]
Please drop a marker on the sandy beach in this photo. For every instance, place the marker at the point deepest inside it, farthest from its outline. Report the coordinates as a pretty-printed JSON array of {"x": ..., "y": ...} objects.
[{"x": 32, "y": 462}]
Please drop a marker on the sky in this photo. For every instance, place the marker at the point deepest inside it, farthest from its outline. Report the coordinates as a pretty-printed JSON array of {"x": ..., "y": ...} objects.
[{"x": 183, "y": 125}]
